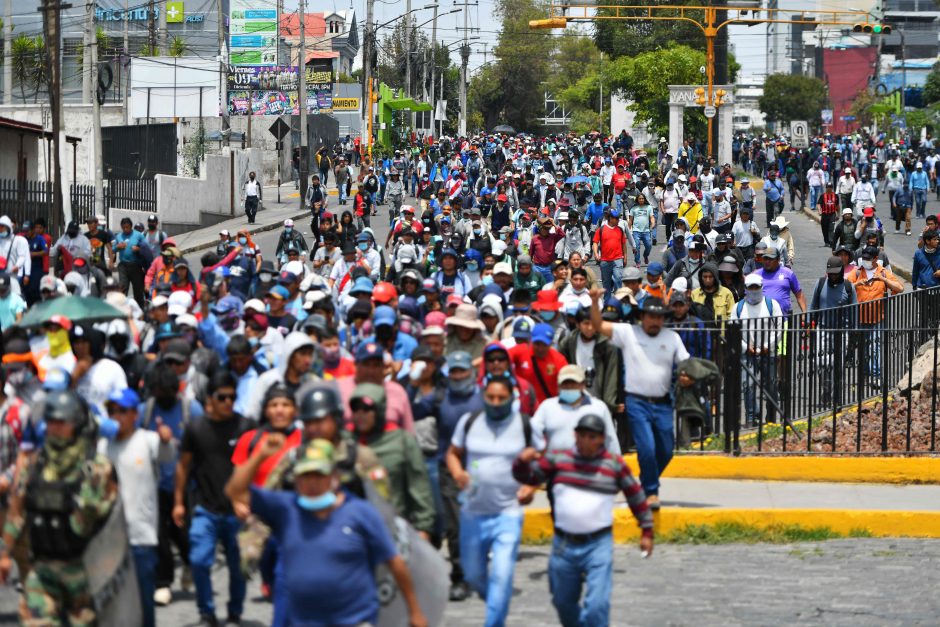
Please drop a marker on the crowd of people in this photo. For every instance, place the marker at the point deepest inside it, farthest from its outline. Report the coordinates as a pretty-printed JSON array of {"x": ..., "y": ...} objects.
[{"x": 525, "y": 321}]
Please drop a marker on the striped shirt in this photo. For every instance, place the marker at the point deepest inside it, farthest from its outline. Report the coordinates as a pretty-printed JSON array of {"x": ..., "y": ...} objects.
[{"x": 604, "y": 474}]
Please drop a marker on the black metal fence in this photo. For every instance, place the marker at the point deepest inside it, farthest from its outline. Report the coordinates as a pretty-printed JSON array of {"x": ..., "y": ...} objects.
[
  {"x": 855, "y": 379},
  {"x": 28, "y": 200}
]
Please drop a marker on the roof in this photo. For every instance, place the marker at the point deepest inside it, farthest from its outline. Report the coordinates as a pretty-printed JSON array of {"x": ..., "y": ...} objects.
[
  {"x": 29, "y": 127},
  {"x": 320, "y": 54},
  {"x": 314, "y": 25}
]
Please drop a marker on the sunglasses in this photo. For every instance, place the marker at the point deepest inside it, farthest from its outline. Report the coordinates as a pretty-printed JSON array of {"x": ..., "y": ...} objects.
[
  {"x": 223, "y": 397},
  {"x": 496, "y": 358}
]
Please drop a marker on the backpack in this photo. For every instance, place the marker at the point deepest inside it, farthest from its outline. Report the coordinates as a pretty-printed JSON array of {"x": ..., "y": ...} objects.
[
  {"x": 474, "y": 168},
  {"x": 770, "y": 306},
  {"x": 151, "y": 406},
  {"x": 526, "y": 427}
]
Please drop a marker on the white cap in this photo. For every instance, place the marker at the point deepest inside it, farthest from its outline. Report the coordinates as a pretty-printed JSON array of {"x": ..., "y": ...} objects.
[
  {"x": 502, "y": 268},
  {"x": 179, "y": 303},
  {"x": 847, "y": 210},
  {"x": 847, "y": 170},
  {"x": 919, "y": 165},
  {"x": 294, "y": 267},
  {"x": 744, "y": 181},
  {"x": 432, "y": 330},
  {"x": 499, "y": 247},
  {"x": 563, "y": 215},
  {"x": 158, "y": 301},
  {"x": 681, "y": 284},
  {"x": 690, "y": 197},
  {"x": 256, "y": 304},
  {"x": 752, "y": 280},
  {"x": 288, "y": 222},
  {"x": 224, "y": 232},
  {"x": 683, "y": 178},
  {"x": 187, "y": 320}
]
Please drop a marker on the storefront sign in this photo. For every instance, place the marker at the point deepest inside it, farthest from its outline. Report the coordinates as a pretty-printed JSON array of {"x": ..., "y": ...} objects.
[{"x": 345, "y": 104}]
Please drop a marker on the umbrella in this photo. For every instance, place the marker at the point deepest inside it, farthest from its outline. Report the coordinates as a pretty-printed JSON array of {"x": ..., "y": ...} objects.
[
  {"x": 577, "y": 178},
  {"x": 75, "y": 308},
  {"x": 504, "y": 128}
]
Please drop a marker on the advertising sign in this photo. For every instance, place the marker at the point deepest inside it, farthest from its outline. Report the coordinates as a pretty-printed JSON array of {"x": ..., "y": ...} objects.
[
  {"x": 254, "y": 33},
  {"x": 277, "y": 102},
  {"x": 262, "y": 77},
  {"x": 345, "y": 104}
]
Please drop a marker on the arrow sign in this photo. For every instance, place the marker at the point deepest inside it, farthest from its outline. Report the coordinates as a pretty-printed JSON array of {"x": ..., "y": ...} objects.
[{"x": 279, "y": 129}]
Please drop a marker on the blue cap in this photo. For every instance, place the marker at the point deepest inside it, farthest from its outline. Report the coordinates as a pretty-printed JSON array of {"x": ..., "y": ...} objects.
[
  {"x": 227, "y": 304},
  {"x": 369, "y": 350},
  {"x": 614, "y": 213},
  {"x": 543, "y": 333},
  {"x": 280, "y": 291},
  {"x": 449, "y": 251},
  {"x": 445, "y": 219},
  {"x": 125, "y": 399},
  {"x": 166, "y": 331},
  {"x": 384, "y": 315},
  {"x": 286, "y": 278},
  {"x": 363, "y": 237},
  {"x": 654, "y": 269},
  {"x": 362, "y": 285},
  {"x": 522, "y": 329},
  {"x": 460, "y": 360}
]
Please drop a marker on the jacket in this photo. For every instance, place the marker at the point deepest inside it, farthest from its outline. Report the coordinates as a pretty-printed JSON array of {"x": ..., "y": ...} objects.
[
  {"x": 409, "y": 487},
  {"x": 924, "y": 267},
  {"x": 843, "y": 234},
  {"x": 292, "y": 343},
  {"x": 721, "y": 302},
  {"x": 607, "y": 367},
  {"x": 704, "y": 373}
]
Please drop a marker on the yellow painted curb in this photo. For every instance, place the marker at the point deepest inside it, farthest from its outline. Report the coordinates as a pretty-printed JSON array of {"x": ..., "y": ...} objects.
[
  {"x": 537, "y": 523},
  {"x": 904, "y": 470}
]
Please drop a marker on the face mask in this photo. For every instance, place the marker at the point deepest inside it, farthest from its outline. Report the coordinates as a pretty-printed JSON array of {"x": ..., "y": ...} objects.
[
  {"x": 752, "y": 297},
  {"x": 774, "y": 236},
  {"x": 868, "y": 264},
  {"x": 547, "y": 316},
  {"x": 498, "y": 412},
  {"x": 331, "y": 357},
  {"x": 317, "y": 503},
  {"x": 477, "y": 232},
  {"x": 266, "y": 278},
  {"x": 569, "y": 397},
  {"x": 59, "y": 342},
  {"x": 253, "y": 342},
  {"x": 243, "y": 241},
  {"x": 930, "y": 251},
  {"x": 461, "y": 387},
  {"x": 72, "y": 232},
  {"x": 363, "y": 247},
  {"x": 108, "y": 428},
  {"x": 472, "y": 266},
  {"x": 288, "y": 229},
  {"x": 4, "y": 234},
  {"x": 487, "y": 280},
  {"x": 626, "y": 309},
  {"x": 836, "y": 278}
]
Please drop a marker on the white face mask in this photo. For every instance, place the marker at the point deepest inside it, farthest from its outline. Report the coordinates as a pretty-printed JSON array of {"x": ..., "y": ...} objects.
[{"x": 868, "y": 264}]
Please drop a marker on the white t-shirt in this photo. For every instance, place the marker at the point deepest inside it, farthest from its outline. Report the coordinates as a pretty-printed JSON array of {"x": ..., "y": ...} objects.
[
  {"x": 557, "y": 421},
  {"x": 104, "y": 377},
  {"x": 648, "y": 360}
]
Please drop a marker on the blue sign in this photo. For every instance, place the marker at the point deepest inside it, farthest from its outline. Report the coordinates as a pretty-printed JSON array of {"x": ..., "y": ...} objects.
[
  {"x": 259, "y": 14},
  {"x": 847, "y": 118},
  {"x": 247, "y": 41}
]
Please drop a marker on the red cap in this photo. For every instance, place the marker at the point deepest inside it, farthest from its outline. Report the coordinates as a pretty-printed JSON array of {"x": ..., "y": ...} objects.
[
  {"x": 502, "y": 198},
  {"x": 454, "y": 300},
  {"x": 868, "y": 212},
  {"x": 62, "y": 321}
]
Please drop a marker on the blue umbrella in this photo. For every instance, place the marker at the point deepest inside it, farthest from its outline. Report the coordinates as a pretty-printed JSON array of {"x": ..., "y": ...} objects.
[{"x": 574, "y": 180}]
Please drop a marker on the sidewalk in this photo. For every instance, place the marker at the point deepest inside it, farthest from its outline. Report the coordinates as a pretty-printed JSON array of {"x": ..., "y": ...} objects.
[{"x": 271, "y": 217}]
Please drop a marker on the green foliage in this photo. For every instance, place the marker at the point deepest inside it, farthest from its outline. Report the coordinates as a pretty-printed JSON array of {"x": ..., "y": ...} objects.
[
  {"x": 618, "y": 38},
  {"x": 932, "y": 86},
  {"x": 793, "y": 97},
  {"x": 193, "y": 152},
  {"x": 730, "y": 532},
  {"x": 346, "y": 78},
  {"x": 25, "y": 59},
  {"x": 178, "y": 47}
]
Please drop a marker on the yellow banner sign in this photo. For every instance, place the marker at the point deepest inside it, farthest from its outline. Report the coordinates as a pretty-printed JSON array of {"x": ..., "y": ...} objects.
[{"x": 345, "y": 104}]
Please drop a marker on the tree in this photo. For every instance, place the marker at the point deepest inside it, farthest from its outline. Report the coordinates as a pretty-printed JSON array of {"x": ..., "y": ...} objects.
[
  {"x": 178, "y": 47},
  {"x": 24, "y": 60},
  {"x": 793, "y": 97},
  {"x": 932, "y": 86},
  {"x": 618, "y": 38}
]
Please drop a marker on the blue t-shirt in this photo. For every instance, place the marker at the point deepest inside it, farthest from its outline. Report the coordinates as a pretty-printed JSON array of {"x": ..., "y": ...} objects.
[
  {"x": 329, "y": 571},
  {"x": 173, "y": 418},
  {"x": 128, "y": 254}
]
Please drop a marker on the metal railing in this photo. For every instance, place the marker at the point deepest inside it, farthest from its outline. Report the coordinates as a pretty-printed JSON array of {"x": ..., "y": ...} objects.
[
  {"x": 28, "y": 200},
  {"x": 853, "y": 379}
]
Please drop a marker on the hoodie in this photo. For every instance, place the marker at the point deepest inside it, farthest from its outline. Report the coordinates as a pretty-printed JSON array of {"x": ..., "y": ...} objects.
[
  {"x": 721, "y": 301},
  {"x": 15, "y": 249},
  {"x": 292, "y": 343},
  {"x": 525, "y": 392}
]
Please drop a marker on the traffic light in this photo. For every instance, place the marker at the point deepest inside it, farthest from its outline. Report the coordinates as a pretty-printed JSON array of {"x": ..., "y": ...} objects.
[
  {"x": 552, "y": 22},
  {"x": 719, "y": 97},
  {"x": 881, "y": 29},
  {"x": 863, "y": 27},
  {"x": 700, "y": 96}
]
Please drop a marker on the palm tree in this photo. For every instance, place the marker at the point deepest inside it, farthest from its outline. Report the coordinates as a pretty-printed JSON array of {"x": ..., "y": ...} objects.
[
  {"x": 40, "y": 68},
  {"x": 178, "y": 47},
  {"x": 24, "y": 56}
]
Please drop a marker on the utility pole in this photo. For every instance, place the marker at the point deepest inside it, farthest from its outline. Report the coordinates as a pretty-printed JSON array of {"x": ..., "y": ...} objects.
[
  {"x": 432, "y": 63},
  {"x": 721, "y": 70},
  {"x": 51, "y": 24},
  {"x": 88, "y": 86},
  {"x": 151, "y": 30},
  {"x": 408, "y": 59},
  {"x": 162, "y": 35},
  {"x": 464, "y": 60},
  {"x": 125, "y": 64},
  {"x": 223, "y": 73},
  {"x": 302, "y": 103},
  {"x": 96, "y": 99},
  {"x": 8, "y": 52},
  {"x": 368, "y": 44},
  {"x": 600, "y": 84}
]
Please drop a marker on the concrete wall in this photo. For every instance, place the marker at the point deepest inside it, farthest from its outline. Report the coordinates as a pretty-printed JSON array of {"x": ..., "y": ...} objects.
[
  {"x": 16, "y": 145},
  {"x": 622, "y": 118}
]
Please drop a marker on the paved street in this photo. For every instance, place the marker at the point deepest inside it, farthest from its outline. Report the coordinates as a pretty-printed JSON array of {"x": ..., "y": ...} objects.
[{"x": 840, "y": 582}]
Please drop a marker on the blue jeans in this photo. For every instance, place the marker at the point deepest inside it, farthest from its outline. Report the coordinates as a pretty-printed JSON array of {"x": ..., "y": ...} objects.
[
  {"x": 611, "y": 275},
  {"x": 205, "y": 531},
  {"x": 341, "y": 190},
  {"x": 145, "y": 563},
  {"x": 433, "y": 466},
  {"x": 646, "y": 239},
  {"x": 872, "y": 343},
  {"x": 655, "y": 437},
  {"x": 764, "y": 368},
  {"x": 920, "y": 202},
  {"x": 489, "y": 545},
  {"x": 815, "y": 193},
  {"x": 545, "y": 271},
  {"x": 571, "y": 567}
]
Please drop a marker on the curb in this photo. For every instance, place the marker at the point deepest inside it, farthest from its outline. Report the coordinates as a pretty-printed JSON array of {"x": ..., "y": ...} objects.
[
  {"x": 537, "y": 524},
  {"x": 257, "y": 229},
  {"x": 901, "y": 271},
  {"x": 883, "y": 470}
]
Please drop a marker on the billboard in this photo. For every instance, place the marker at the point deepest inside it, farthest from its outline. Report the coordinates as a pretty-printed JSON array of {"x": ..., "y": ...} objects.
[
  {"x": 262, "y": 77},
  {"x": 253, "y": 33},
  {"x": 168, "y": 87},
  {"x": 279, "y": 102}
]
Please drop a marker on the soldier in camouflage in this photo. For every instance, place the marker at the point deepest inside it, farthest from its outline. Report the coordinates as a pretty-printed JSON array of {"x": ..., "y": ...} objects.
[{"x": 61, "y": 497}]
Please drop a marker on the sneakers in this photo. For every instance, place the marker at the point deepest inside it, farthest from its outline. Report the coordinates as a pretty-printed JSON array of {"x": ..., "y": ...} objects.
[
  {"x": 162, "y": 596},
  {"x": 186, "y": 579},
  {"x": 233, "y": 620},
  {"x": 908, "y": 233},
  {"x": 459, "y": 591},
  {"x": 653, "y": 501},
  {"x": 896, "y": 231},
  {"x": 209, "y": 619}
]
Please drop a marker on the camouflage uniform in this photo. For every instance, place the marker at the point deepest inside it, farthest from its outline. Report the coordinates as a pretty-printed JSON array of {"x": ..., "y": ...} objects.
[{"x": 56, "y": 591}]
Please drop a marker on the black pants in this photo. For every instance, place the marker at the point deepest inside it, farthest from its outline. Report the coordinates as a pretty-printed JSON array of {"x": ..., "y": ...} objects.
[
  {"x": 251, "y": 208},
  {"x": 669, "y": 220},
  {"x": 826, "y": 222},
  {"x": 315, "y": 229},
  {"x": 132, "y": 275},
  {"x": 167, "y": 535},
  {"x": 449, "y": 492}
]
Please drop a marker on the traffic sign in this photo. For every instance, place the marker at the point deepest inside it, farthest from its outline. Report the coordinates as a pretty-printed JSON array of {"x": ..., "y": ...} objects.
[
  {"x": 710, "y": 111},
  {"x": 799, "y": 134},
  {"x": 279, "y": 129}
]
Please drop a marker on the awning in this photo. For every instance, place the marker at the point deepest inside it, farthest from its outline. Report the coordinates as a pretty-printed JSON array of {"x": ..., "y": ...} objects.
[{"x": 399, "y": 104}]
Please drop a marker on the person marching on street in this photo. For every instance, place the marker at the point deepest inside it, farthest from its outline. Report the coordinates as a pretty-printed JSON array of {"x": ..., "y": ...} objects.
[{"x": 252, "y": 194}]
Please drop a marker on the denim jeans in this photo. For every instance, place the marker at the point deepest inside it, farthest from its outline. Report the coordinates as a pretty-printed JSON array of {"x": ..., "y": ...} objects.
[
  {"x": 206, "y": 530},
  {"x": 815, "y": 193},
  {"x": 764, "y": 368},
  {"x": 611, "y": 275},
  {"x": 489, "y": 546},
  {"x": 433, "y": 466},
  {"x": 571, "y": 567},
  {"x": 145, "y": 563},
  {"x": 871, "y": 342},
  {"x": 545, "y": 271},
  {"x": 646, "y": 239},
  {"x": 341, "y": 189},
  {"x": 655, "y": 435},
  {"x": 920, "y": 202}
]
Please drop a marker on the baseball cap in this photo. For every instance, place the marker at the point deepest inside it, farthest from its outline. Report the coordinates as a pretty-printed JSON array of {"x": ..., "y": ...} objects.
[
  {"x": 316, "y": 456},
  {"x": 678, "y": 296},
  {"x": 187, "y": 320},
  {"x": 362, "y": 285},
  {"x": 177, "y": 349},
  {"x": 834, "y": 265},
  {"x": 868, "y": 212},
  {"x": 654, "y": 269},
  {"x": 869, "y": 252},
  {"x": 125, "y": 399},
  {"x": 571, "y": 372},
  {"x": 502, "y": 267},
  {"x": 369, "y": 350},
  {"x": 614, "y": 213},
  {"x": 384, "y": 315},
  {"x": 847, "y": 210},
  {"x": 226, "y": 304},
  {"x": 543, "y": 332},
  {"x": 279, "y": 291},
  {"x": 753, "y": 280},
  {"x": 288, "y": 222},
  {"x": 591, "y": 423},
  {"x": 256, "y": 304},
  {"x": 524, "y": 260},
  {"x": 771, "y": 253},
  {"x": 460, "y": 360},
  {"x": 631, "y": 274},
  {"x": 522, "y": 329}
]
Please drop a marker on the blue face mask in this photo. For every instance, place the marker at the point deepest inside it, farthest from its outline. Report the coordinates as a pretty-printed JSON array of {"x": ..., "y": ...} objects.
[
  {"x": 253, "y": 342},
  {"x": 626, "y": 309},
  {"x": 498, "y": 412},
  {"x": 243, "y": 241},
  {"x": 363, "y": 246},
  {"x": 569, "y": 397},
  {"x": 477, "y": 232},
  {"x": 288, "y": 229},
  {"x": 487, "y": 280},
  {"x": 4, "y": 234},
  {"x": 547, "y": 316},
  {"x": 317, "y": 503},
  {"x": 472, "y": 266}
]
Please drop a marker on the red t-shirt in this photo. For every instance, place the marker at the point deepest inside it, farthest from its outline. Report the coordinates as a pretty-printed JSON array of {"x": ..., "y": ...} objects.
[
  {"x": 241, "y": 453},
  {"x": 610, "y": 240},
  {"x": 619, "y": 181},
  {"x": 346, "y": 368},
  {"x": 524, "y": 364}
]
